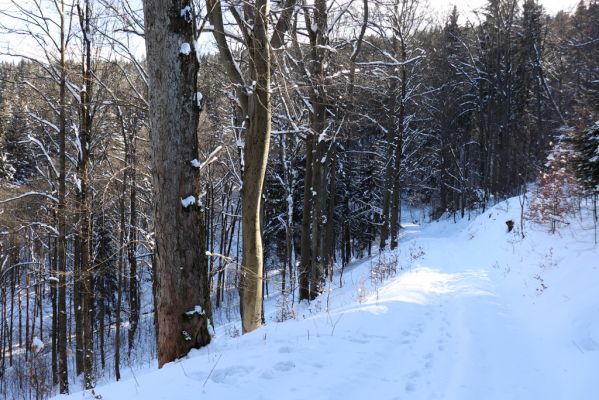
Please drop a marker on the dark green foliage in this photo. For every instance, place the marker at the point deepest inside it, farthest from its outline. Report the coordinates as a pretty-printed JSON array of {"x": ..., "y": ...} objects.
[{"x": 586, "y": 158}]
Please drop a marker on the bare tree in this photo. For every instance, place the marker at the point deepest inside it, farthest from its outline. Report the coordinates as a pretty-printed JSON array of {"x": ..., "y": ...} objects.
[{"x": 255, "y": 106}]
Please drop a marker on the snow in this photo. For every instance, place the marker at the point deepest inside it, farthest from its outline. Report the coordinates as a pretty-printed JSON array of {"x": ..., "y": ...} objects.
[
  {"x": 198, "y": 97},
  {"x": 326, "y": 47},
  {"x": 77, "y": 183},
  {"x": 473, "y": 312},
  {"x": 185, "y": 49},
  {"x": 186, "y": 13},
  {"x": 37, "y": 345},
  {"x": 196, "y": 310},
  {"x": 188, "y": 201}
]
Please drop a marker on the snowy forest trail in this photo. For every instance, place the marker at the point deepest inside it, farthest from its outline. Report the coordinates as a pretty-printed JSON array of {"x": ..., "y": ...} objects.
[{"x": 474, "y": 312}]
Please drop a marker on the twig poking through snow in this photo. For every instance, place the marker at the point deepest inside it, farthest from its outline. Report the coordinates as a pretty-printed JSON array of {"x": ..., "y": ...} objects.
[{"x": 212, "y": 370}]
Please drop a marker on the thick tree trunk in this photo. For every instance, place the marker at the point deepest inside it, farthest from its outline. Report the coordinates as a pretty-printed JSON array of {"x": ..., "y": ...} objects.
[{"x": 181, "y": 274}]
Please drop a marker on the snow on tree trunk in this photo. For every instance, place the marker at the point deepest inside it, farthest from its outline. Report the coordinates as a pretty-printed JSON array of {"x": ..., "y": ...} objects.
[{"x": 180, "y": 261}]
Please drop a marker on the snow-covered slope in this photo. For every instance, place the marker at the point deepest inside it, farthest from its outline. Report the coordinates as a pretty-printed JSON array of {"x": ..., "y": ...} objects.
[{"x": 474, "y": 313}]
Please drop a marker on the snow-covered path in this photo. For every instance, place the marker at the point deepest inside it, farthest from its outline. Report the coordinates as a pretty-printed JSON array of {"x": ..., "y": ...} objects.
[{"x": 475, "y": 313}]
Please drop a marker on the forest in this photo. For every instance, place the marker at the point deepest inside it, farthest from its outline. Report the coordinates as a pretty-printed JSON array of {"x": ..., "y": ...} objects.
[{"x": 166, "y": 166}]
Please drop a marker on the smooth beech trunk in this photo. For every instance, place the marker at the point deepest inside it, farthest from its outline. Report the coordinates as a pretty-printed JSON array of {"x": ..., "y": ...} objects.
[{"x": 255, "y": 158}]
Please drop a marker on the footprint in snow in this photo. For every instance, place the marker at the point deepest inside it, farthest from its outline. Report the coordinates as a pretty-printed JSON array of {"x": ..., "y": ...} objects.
[
  {"x": 267, "y": 375},
  {"x": 410, "y": 387},
  {"x": 231, "y": 375},
  {"x": 284, "y": 366},
  {"x": 587, "y": 344},
  {"x": 366, "y": 336},
  {"x": 414, "y": 374},
  {"x": 285, "y": 349}
]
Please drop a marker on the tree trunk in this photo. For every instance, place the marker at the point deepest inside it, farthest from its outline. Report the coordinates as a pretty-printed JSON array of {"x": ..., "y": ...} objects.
[
  {"x": 134, "y": 299},
  {"x": 255, "y": 158},
  {"x": 305, "y": 251},
  {"x": 120, "y": 261},
  {"x": 318, "y": 195},
  {"x": 53, "y": 299},
  {"x": 181, "y": 274},
  {"x": 63, "y": 375},
  {"x": 389, "y": 166},
  {"x": 396, "y": 195},
  {"x": 85, "y": 266},
  {"x": 329, "y": 234}
]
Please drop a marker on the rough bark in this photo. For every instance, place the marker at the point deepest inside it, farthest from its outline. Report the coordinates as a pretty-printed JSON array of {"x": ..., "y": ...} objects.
[{"x": 181, "y": 275}]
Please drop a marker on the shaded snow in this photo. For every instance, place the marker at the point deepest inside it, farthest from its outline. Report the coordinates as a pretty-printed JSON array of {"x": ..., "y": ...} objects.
[{"x": 37, "y": 345}]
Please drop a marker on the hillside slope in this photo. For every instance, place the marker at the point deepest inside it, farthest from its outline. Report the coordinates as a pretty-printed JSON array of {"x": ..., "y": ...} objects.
[{"x": 474, "y": 312}]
